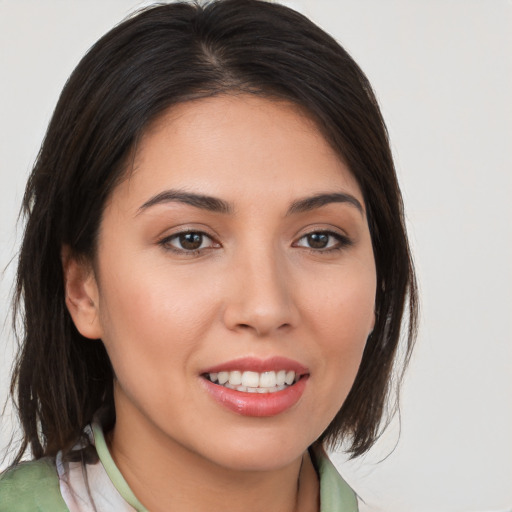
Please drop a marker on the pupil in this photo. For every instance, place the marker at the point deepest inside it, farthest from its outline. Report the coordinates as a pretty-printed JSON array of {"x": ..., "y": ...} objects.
[
  {"x": 191, "y": 241},
  {"x": 318, "y": 240}
]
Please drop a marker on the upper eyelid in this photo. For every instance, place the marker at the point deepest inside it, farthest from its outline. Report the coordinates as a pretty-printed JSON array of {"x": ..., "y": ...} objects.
[
  {"x": 324, "y": 231},
  {"x": 172, "y": 236},
  {"x": 186, "y": 231},
  {"x": 167, "y": 243},
  {"x": 183, "y": 230},
  {"x": 342, "y": 239},
  {"x": 333, "y": 231},
  {"x": 329, "y": 230}
]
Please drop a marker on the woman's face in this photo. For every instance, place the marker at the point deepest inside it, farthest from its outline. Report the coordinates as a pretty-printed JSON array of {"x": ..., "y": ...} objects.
[{"x": 238, "y": 248}]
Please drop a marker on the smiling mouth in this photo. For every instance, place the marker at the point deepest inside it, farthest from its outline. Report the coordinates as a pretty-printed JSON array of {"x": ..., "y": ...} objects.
[{"x": 254, "y": 382}]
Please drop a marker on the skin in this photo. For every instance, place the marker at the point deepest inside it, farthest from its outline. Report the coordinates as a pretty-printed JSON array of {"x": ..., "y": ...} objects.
[{"x": 255, "y": 288}]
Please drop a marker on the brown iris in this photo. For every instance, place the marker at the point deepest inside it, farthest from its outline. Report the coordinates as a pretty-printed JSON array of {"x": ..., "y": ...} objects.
[
  {"x": 191, "y": 241},
  {"x": 318, "y": 240}
]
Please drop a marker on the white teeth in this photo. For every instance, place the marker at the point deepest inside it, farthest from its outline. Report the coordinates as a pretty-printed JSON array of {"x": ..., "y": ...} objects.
[
  {"x": 223, "y": 377},
  {"x": 290, "y": 377},
  {"x": 251, "y": 379},
  {"x": 268, "y": 380},
  {"x": 235, "y": 378},
  {"x": 254, "y": 382}
]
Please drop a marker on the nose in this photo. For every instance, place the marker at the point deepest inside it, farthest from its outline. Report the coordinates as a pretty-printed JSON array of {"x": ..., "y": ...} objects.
[{"x": 261, "y": 295}]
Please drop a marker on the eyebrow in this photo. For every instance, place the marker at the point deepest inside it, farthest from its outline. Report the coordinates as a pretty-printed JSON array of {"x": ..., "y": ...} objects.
[
  {"x": 214, "y": 204},
  {"x": 319, "y": 200}
]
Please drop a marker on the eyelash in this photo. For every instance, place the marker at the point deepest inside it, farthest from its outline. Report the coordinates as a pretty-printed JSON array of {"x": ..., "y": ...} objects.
[
  {"x": 342, "y": 242},
  {"x": 166, "y": 243}
]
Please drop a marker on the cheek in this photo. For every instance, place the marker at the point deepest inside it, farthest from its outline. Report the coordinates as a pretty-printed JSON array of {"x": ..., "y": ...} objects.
[
  {"x": 342, "y": 304},
  {"x": 341, "y": 316},
  {"x": 152, "y": 318}
]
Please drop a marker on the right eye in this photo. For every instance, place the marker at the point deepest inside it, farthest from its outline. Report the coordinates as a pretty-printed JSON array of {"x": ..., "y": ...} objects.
[{"x": 191, "y": 242}]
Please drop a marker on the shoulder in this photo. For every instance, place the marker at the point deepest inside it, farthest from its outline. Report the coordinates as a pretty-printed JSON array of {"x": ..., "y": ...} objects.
[{"x": 30, "y": 487}]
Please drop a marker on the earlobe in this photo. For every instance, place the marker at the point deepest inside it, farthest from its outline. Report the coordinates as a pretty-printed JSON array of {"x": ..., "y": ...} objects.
[{"x": 81, "y": 294}]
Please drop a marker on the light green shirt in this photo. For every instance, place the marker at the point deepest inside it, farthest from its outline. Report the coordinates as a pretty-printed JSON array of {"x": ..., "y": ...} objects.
[{"x": 49, "y": 485}]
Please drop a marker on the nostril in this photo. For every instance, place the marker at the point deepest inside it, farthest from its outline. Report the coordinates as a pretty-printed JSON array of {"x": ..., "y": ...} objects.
[{"x": 248, "y": 326}]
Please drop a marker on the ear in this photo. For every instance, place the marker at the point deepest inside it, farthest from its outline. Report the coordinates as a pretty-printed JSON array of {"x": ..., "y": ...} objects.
[{"x": 81, "y": 294}]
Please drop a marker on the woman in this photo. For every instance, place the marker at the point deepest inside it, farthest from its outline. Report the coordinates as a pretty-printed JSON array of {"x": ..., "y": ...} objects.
[{"x": 213, "y": 273}]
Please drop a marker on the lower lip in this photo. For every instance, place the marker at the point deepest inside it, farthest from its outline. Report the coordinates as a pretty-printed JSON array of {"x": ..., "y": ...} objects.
[{"x": 257, "y": 404}]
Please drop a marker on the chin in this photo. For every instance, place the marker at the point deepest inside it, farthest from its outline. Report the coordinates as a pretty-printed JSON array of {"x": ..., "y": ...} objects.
[{"x": 259, "y": 452}]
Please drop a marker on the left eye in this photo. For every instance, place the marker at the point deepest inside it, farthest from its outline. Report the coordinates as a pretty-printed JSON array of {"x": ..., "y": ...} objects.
[
  {"x": 322, "y": 240},
  {"x": 189, "y": 241}
]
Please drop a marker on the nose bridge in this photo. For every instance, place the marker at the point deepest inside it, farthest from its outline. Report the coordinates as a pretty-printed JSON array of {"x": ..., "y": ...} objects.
[{"x": 262, "y": 298}]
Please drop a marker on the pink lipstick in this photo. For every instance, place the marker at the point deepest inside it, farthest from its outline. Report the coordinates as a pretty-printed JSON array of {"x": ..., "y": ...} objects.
[{"x": 256, "y": 387}]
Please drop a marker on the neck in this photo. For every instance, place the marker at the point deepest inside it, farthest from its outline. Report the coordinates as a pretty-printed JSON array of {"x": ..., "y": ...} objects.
[{"x": 165, "y": 475}]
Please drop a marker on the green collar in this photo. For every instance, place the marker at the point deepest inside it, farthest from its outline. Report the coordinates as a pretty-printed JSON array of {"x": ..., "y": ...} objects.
[
  {"x": 112, "y": 471},
  {"x": 335, "y": 493}
]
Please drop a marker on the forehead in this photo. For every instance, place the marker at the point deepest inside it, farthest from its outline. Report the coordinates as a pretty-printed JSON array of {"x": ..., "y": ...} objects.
[{"x": 236, "y": 146}]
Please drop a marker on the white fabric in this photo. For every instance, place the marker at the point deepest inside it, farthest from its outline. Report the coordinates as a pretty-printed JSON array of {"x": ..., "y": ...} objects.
[{"x": 89, "y": 489}]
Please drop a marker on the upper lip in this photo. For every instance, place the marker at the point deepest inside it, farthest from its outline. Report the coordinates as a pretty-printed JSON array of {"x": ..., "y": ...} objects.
[{"x": 253, "y": 364}]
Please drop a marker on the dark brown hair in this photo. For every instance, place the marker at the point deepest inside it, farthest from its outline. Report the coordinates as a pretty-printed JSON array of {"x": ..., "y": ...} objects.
[{"x": 159, "y": 57}]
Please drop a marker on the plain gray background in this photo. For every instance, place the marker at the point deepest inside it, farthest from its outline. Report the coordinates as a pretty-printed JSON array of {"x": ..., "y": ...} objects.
[{"x": 442, "y": 70}]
